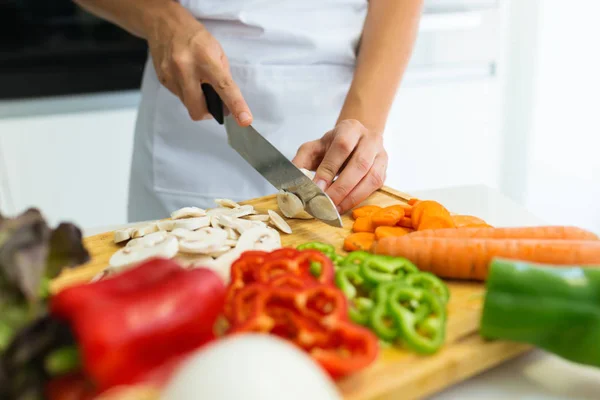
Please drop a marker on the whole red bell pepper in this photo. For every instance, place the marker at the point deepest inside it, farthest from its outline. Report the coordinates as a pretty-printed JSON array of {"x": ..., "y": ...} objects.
[{"x": 129, "y": 325}]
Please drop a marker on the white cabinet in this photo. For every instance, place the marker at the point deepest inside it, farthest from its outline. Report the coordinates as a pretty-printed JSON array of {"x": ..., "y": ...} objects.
[{"x": 73, "y": 166}]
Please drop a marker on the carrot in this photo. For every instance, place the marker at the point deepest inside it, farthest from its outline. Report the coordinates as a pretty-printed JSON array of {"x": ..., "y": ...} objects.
[
  {"x": 359, "y": 241},
  {"x": 413, "y": 201},
  {"x": 405, "y": 222},
  {"x": 468, "y": 258},
  {"x": 363, "y": 224},
  {"x": 435, "y": 223},
  {"x": 532, "y": 232},
  {"x": 385, "y": 231},
  {"x": 464, "y": 220},
  {"x": 417, "y": 211},
  {"x": 364, "y": 211},
  {"x": 388, "y": 216}
]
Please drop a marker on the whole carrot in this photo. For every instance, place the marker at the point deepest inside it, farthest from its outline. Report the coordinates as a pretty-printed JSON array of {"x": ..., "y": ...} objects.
[
  {"x": 469, "y": 258},
  {"x": 533, "y": 232}
]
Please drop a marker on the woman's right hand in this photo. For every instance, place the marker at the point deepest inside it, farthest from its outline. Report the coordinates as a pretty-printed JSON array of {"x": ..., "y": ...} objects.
[{"x": 185, "y": 55}]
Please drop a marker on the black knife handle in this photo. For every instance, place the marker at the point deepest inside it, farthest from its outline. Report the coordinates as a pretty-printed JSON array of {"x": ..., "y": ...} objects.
[{"x": 213, "y": 102}]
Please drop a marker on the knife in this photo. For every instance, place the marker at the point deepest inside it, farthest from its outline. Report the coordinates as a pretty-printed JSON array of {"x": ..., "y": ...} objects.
[{"x": 271, "y": 163}]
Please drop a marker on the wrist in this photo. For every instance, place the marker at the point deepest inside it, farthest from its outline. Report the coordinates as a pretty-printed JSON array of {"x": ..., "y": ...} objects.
[
  {"x": 367, "y": 113},
  {"x": 159, "y": 15}
]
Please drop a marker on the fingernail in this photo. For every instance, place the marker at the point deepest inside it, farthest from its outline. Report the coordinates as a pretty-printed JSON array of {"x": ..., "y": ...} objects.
[
  {"x": 244, "y": 117},
  {"x": 321, "y": 184}
]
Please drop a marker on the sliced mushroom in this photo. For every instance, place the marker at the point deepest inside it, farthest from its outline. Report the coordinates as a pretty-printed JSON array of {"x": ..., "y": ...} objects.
[
  {"x": 241, "y": 211},
  {"x": 238, "y": 224},
  {"x": 226, "y": 203},
  {"x": 259, "y": 217},
  {"x": 148, "y": 240},
  {"x": 259, "y": 238},
  {"x": 188, "y": 212},
  {"x": 166, "y": 225},
  {"x": 232, "y": 233},
  {"x": 291, "y": 206},
  {"x": 144, "y": 230},
  {"x": 192, "y": 223},
  {"x": 213, "y": 240},
  {"x": 123, "y": 234},
  {"x": 230, "y": 242},
  {"x": 214, "y": 221},
  {"x": 220, "y": 252},
  {"x": 320, "y": 207},
  {"x": 310, "y": 174},
  {"x": 279, "y": 222},
  {"x": 194, "y": 260},
  {"x": 186, "y": 234},
  {"x": 127, "y": 256}
]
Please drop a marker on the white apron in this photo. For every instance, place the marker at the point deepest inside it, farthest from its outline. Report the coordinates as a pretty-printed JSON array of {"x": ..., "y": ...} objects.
[{"x": 293, "y": 61}]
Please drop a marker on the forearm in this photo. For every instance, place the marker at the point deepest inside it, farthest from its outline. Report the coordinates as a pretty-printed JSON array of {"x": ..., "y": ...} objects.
[
  {"x": 138, "y": 17},
  {"x": 386, "y": 46}
]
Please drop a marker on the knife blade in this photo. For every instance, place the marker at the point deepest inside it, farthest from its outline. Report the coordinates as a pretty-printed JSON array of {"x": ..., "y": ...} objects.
[{"x": 271, "y": 163}]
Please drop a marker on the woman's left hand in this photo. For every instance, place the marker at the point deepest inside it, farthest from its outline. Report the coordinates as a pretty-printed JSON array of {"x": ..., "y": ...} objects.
[{"x": 351, "y": 151}]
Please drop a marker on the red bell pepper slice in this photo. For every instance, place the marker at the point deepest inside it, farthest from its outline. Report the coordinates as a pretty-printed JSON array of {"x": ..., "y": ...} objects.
[
  {"x": 298, "y": 264},
  {"x": 349, "y": 348},
  {"x": 126, "y": 331},
  {"x": 70, "y": 387}
]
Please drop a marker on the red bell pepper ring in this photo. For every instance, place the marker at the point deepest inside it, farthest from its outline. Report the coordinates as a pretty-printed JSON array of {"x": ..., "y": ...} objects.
[
  {"x": 292, "y": 281},
  {"x": 349, "y": 349},
  {"x": 126, "y": 331},
  {"x": 298, "y": 264},
  {"x": 243, "y": 271}
]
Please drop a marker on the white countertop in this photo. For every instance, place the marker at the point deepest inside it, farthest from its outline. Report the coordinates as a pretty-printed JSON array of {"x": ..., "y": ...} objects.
[{"x": 535, "y": 375}]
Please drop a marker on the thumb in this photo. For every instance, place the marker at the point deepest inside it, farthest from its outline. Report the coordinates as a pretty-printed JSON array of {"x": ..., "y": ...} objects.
[{"x": 309, "y": 155}]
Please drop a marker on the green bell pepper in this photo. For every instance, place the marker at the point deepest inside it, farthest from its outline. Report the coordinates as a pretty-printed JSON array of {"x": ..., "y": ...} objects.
[
  {"x": 555, "y": 308},
  {"x": 349, "y": 280},
  {"x": 360, "y": 309},
  {"x": 429, "y": 281},
  {"x": 324, "y": 248},
  {"x": 420, "y": 316},
  {"x": 377, "y": 268}
]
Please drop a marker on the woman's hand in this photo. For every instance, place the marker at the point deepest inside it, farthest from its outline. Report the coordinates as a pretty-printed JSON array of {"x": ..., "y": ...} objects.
[
  {"x": 185, "y": 55},
  {"x": 354, "y": 153}
]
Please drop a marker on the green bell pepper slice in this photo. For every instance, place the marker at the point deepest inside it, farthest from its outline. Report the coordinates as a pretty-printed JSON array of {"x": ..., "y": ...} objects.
[
  {"x": 360, "y": 310},
  {"x": 427, "y": 280},
  {"x": 349, "y": 280},
  {"x": 420, "y": 316},
  {"x": 555, "y": 308},
  {"x": 381, "y": 320},
  {"x": 377, "y": 268},
  {"x": 322, "y": 247},
  {"x": 356, "y": 258}
]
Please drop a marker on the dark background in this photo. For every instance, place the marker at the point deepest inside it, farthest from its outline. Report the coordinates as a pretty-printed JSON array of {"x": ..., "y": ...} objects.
[{"x": 53, "y": 47}]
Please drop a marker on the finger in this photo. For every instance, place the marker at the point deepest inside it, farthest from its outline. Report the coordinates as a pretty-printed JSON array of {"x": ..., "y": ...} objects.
[
  {"x": 188, "y": 85},
  {"x": 231, "y": 95},
  {"x": 309, "y": 155},
  {"x": 373, "y": 181},
  {"x": 338, "y": 152},
  {"x": 358, "y": 166}
]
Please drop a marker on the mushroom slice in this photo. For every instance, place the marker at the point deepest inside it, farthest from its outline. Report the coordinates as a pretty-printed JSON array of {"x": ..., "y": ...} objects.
[
  {"x": 186, "y": 234},
  {"x": 218, "y": 211},
  {"x": 123, "y": 234},
  {"x": 144, "y": 230},
  {"x": 214, "y": 240},
  {"x": 320, "y": 207},
  {"x": 279, "y": 222},
  {"x": 230, "y": 242},
  {"x": 241, "y": 211},
  {"x": 222, "y": 265},
  {"x": 195, "y": 261},
  {"x": 188, "y": 212},
  {"x": 167, "y": 248},
  {"x": 214, "y": 221},
  {"x": 259, "y": 217},
  {"x": 232, "y": 233},
  {"x": 192, "y": 223},
  {"x": 166, "y": 225},
  {"x": 259, "y": 238},
  {"x": 227, "y": 203},
  {"x": 238, "y": 224},
  {"x": 220, "y": 252},
  {"x": 310, "y": 174},
  {"x": 291, "y": 206},
  {"x": 148, "y": 240}
]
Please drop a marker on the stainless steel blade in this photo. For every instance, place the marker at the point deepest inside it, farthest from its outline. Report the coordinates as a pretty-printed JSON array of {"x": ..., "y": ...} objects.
[{"x": 280, "y": 172}]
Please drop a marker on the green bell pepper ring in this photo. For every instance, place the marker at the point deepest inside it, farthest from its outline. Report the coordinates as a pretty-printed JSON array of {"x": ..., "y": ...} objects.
[
  {"x": 427, "y": 280},
  {"x": 422, "y": 329},
  {"x": 360, "y": 309},
  {"x": 356, "y": 258},
  {"x": 322, "y": 247},
  {"x": 556, "y": 308},
  {"x": 349, "y": 280},
  {"x": 377, "y": 268}
]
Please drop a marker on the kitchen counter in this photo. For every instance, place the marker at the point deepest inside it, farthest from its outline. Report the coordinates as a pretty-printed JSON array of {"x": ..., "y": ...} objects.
[{"x": 534, "y": 375}]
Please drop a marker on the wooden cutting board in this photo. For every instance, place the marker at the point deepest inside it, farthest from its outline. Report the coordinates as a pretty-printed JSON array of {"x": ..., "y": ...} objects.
[{"x": 398, "y": 374}]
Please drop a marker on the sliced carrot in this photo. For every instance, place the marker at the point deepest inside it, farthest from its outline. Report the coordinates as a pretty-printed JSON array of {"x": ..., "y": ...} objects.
[
  {"x": 435, "y": 223},
  {"x": 359, "y": 241},
  {"x": 469, "y": 258},
  {"x": 464, "y": 220},
  {"x": 364, "y": 211},
  {"x": 385, "y": 231},
  {"x": 413, "y": 201},
  {"x": 363, "y": 224},
  {"x": 388, "y": 216},
  {"x": 405, "y": 222},
  {"x": 417, "y": 212},
  {"x": 529, "y": 232}
]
